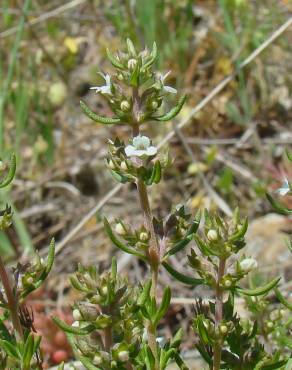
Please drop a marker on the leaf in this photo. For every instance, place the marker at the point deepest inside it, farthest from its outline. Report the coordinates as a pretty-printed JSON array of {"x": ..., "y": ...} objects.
[
  {"x": 100, "y": 119},
  {"x": 10, "y": 349},
  {"x": 164, "y": 306},
  {"x": 118, "y": 243},
  {"x": 275, "y": 365},
  {"x": 282, "y": 299},
  {"x": 152, "y": 58},
  {"x": 188, "y": 237},
  {"x": 145, "y": 294},
  {"x": 173, "y": 112},
  {"x": 260, "y": 290},
  {"x": 156, "y": 174},
  {"x": 114, "y": 61},
  {"x": 114, "y": 268},
  {"x": 28, "y": 351},
  {"x": 87, "y": 363},
  {"x": 181, "y": 277},
  {"x": 278, "y": 206},
  {"x": 61, "y": 366},
  {"x": 71, "y": 329},
  {"x": 10, "y": 175},
  {"x": 240, "y": 233}
]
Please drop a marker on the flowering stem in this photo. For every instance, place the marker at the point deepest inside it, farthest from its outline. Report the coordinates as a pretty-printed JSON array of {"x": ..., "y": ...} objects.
[
  {"x": 218, "y": 313},
  {"x": 11, "y": 300},
  {"x": 153, "y": 248}
]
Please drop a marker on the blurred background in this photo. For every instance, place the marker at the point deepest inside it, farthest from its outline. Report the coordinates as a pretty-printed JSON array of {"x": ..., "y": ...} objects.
[{"x": 229, "y": 154}]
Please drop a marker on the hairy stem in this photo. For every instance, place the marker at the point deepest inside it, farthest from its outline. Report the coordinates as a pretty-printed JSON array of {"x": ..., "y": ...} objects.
[
  {"x": 153, "y": 251},
  {"x": 218, "y": 313},
  {"x": 11, "y": 300}
]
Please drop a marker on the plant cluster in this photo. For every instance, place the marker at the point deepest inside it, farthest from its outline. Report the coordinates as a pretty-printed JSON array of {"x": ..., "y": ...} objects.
[{"x": 115, "y": 323}]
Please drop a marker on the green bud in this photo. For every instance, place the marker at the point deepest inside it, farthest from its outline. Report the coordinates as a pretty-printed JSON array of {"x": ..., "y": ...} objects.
[{"x": 119, "y": 229}]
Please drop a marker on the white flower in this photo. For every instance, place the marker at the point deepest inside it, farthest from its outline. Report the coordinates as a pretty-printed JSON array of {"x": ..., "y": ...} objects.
[
  {"x": 248, "y": 264},
  {"x": 106, "y": 89},
  {"x": 168, "y": 89},
  {"x": 212, "y": 235},
  {"x": 285, "y": 188},
  {"x": 124, "y": 356},
  {"x": 141, "y": 147}
]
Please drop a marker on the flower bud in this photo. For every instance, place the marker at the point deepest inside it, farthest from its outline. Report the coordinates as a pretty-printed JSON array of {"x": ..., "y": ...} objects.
[
  {"x": 144, "y": 236},
  {"x": 119, "y": 229},
  {"x": 77, "y": 315},
  {"x": 154, "y": 104},
  {"x": 97, "y": 360},
  {"x": 29, "y": 280},
  {"x": 125, "y": 106},
  {"x": 123, "y": 356},
  {"x": 212, "y": 235},
  {"x": 120, "y": 77},
  {"x": 270, "y": 324},
  {"x": 248, "y": 264},
  {"x": 75, "y": 324},
  {"x": 96, "y": 299},
  {"x": 227, "y": 283},
  {"x": 111, "y": 165},
  {"x": 104, "y": 290},
  {"x": 132, "y": 64},
  {"x": 223, "y": 329},
  {"x": 124, "y": 166}
]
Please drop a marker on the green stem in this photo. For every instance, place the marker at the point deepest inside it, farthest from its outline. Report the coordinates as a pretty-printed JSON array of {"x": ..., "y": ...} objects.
[
  {"x": 11, "y": 300},
  {"x": 217, "y": 350},
  {"x": 153, "y": 251}
]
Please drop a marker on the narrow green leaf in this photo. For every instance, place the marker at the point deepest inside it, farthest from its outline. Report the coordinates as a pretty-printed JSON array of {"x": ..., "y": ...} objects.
[
  {"x": 241, "y": 232},
  {"x": 118, "y": 243},
  {"x": 260, "y": 290},
  {"x": 10, "y": 175},
  {"x": 278, "y": 206},
  {"x": 10, "y": 349},
  {"x": 156, "y": 174},
  {"x": 71, "y": 329},
  {"x": 28, "y": 351},
  {"x": 282, "y": 299},
  {"x": 164, "y": 305},
  {"x": 87, "y": 363},
  {"x": 114, "y": 61},
  {"x": 181, "y": 277},
  {"x": 100, "y": 119},
  {"x": 173, "y": 112},
  {"x": 114, "y": 268},
  {"x": 144, "y": 294},
  {"x": 77, "y": 285}
]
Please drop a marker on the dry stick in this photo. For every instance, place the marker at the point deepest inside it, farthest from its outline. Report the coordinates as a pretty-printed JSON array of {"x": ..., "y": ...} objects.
[
  {"x": 183, "y": 122},
  {"x": 220, "y": 201},
  {"x": 44, "y": 17},
  {"x": 11, "y": 300}
]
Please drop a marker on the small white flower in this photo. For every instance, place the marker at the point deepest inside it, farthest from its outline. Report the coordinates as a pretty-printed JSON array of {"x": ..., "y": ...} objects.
[
  {"x": 77, "y": 315},
  {"x": 248, "y": 264},
  {"x": 106, "y": 89},
  {"x": 168, "y": 89},
  {"x": 284, "y": 189},
  {"x": 141, "y": 147}
]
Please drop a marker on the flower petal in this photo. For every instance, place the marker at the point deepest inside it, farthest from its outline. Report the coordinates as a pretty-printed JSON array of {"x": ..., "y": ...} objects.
[
  {"x": 170, "y": 89},
  {"x": 152, "y": 150},
  {"x": 130, "y": 150}
]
